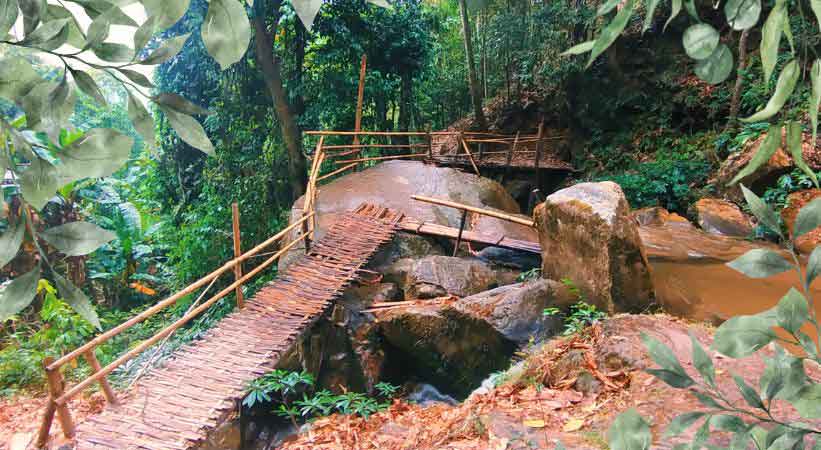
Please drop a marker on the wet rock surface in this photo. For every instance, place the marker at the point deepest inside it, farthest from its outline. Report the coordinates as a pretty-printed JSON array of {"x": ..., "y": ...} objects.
[
  {"x": 716, "y": 216},
  {"x": 588, "y": 236},
  {"x": 438, "y": 276}
]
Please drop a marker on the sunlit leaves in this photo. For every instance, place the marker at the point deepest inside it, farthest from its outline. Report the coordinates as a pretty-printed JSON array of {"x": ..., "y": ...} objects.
[
  {"x": 808, "y": 218},
  {"x": 629, "y": 432},
  {"x": 39, "y": 182},
  {"x": 167, "y": 50},
  {"x": 815, "y": 96},
  {"x": 99, "y": 153},
  {"x": 771, "y": 38},
  {"x": 717, "y": 67},
  {"x": 700, "y": 41},
  {"x": 78, "y": 301},
  {"x": 783, "y": 89},
  {"x": 760, "y": 263},
  {"x": 189, "y": 130},
  {"x": 578, "y": 49},
  {"x": 816, "y": 9},
  {"x": 762, "y": 155},
  {"x": 88, "y": 86},
  {"x": 46, "y": 33},
  {"x": 226, "y": 31},
  {"x": 165, "y": 13},
  {"x": 742, "y": 14},
  {"x": 33, "y": 11},
  {"x": 10, "y": 241},
  {"x": 612, "y": 31},
  {"x": 8, "y": 15},
  {"x": 795, "y": 145},
  {"x": 671, "y": 371},
  {"x": 743, "y": 335},
  {"x": 77, "y": 238},
  {"x": 307, "y": 10},
  {"x": 807, "y": 401},
  {"x": 648, "y": 18},
  {"x": 113, "y": 52},
  {"x": 675, "y": 10},
  {"x": 142, "y": 120},
  {"x": 792, "y": 311},
  {"x": 179, "y": 104},
  {"x": 18, "y": 294},
  {"x": 137, "y": 77},
  {"x": 17, "y": 77}
]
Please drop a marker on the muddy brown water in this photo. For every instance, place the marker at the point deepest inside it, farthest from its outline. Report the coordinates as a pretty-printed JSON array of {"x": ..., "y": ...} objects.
[{"x": 692, "y": 280}]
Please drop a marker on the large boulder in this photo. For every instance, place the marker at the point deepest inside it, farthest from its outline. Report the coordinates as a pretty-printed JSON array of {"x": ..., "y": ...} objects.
[
  {"x": 516, "y": 310},
  {"x": 795, "y": 201},
  {"x": 721, "y": 217},
  {"x": 778, "y": 164},
  {"x": 588, "y": 236},
  {"x": 437, "y": 276}
]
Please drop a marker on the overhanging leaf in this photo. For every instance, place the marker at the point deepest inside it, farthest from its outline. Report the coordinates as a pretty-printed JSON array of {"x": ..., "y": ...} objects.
[
  {"x": 765, "y": 151},
  {"x": 675, "y": 9},
  {"x": 612, "y": 31},
  {"x": 578, "y": 49},
  {"x": 808, "y": 219},
  {"x": 137, "y": 77},
  {"x": 179, "y": 104},
  {"x": 88, "y": 86},
  {"x": 45, "y": 33},
  {"x": 648, "y": 17},
  {"x": 39, "y": 183},
  {"x": 19, "y": 294},
  {"x": 99, "y": 153},
  {"x": 629, "y": 432},
  {"x": 189, "y": 130},
  {"x": 792, "y": 311},
  {"x": 77, "y": 300},
  {"x": 815, "y": 95},
  {"x": 717, "y": 67},
  {"x": 700, "y": 41},
  {"x": 808, "y": 401},
  {"x": 307, "y": 11},
  {"x": 794, "y": 143},
  {"x": 77, "y": 238},
  {"x": 226, "y": 31},
  {"x": 8, "y": 15},
  {"x": 814, "y": 265},
  {"x": 750, "y": 395},
  {"x": 702, "y": 361},
  {"x": 743, "y": 335},
  {"x": 771, "y": 38},
  {"x": 760, "y": 263},
  {"x": 607, "y": 6},
  {"x": 682, "y": 423},
  {"x": 783, "y": 90},
  {"x": 742, "y": 14},
  {"x": 10, "y": 241},
  {"x": 33, "y": 11},
  {"x": 142, "y": 120},
  {"x": 816, "y": 9},
  {"x": 167, "y": 50},
  {"x": 113, "y": 52},
  {"x": 165, "y": 13}
]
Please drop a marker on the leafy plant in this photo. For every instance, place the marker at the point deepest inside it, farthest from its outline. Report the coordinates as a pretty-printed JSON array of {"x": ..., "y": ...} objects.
[
  {"x": 580, "y": 315},
  {"x": 529, "y": 275},
  {"x": 784, "y": 379}
]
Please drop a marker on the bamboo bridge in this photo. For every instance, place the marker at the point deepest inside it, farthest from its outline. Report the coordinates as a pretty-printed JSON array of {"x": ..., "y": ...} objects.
[{"x": 177, "y": 406}]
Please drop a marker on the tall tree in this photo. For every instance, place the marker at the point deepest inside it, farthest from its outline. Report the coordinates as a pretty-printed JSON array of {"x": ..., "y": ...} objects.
[
  {"x": 475, "y": 92},
  {"x": 271, "y": 66}
]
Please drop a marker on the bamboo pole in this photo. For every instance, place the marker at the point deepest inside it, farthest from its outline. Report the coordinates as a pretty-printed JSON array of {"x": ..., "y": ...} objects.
[
  {"x": 367, "y": 133},
  {"x": 473, "y": 209},
  {"x": 55, "y": 390},
  {"x": 45, "y": 424},
  {"x": 380, "y": 158},
  {"x": 79, "y": 387},
  {"x": 461, "y": 230},
  {"x": 237, "y": 251},
  {"x": 430, "y": 143},
  {"x": 91, "y": 358},
  {"x": 470, "y": 156},
  {"x": 537, "y": 158},
  {"x": 79, "y": 351},
  {"x": 336, "y": 172},
  {"x": 346, "y": 146},
  {"x": 510, "y": 158}
]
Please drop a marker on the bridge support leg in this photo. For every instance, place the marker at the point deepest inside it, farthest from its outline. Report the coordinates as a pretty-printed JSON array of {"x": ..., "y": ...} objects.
[
  {"x": 110, "y": 397},
  {"x": 237, "y": 252},
  {"x": 45, "y": 425},
  {"x": 461, "y": 230},
  {"x": 55, "y": 389}
]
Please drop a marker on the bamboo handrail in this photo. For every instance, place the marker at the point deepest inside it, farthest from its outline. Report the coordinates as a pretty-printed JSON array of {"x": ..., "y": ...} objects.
[
  {"x": 473, "y": 209},
  {"x": 79, "y": 387},
  {"x": 346, "y": 146},
  {"x": 365, "y": 133},
  {"x": 470, "y": 156},
  {"x": 381, "y": 158},
  {"x": 336, "y": 172},
  {"x": 90, "y": 345}
]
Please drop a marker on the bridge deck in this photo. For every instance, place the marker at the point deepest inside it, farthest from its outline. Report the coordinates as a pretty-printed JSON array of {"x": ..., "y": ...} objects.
[{"x": 177, "y": 405}]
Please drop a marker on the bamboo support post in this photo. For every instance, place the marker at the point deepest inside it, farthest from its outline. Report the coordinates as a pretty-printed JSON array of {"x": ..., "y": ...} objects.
[
  {"x": 470, "y": 157},
  {"x": 79, "y": 387},
  {"x": 55, "y": 391},
  {"x": 461, "y": 230},
  {"x": 537, "y": 158},
  {"x": 473, "y": 209},
  {"x": 360, "y": 95},
  {"x": 237, "y": 251},
  {"x": 45, "y": 424},
  {"x": 110, "y": 397},
  {"x": 510, "y": 158},
  {"x": 94, "y": 343},
  {"x": 430, "y": 144},
  {"x": 381, "y": 158}
]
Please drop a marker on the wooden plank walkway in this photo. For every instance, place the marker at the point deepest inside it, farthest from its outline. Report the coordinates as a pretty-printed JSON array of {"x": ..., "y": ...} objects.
[{"x": 177, "y": 405}]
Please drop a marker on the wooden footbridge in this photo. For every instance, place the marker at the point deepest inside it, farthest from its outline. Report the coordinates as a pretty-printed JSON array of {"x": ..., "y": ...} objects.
[{"x": 178, "y": 405}]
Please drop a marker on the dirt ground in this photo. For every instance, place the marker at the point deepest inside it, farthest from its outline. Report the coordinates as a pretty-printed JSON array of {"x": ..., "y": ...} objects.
[{"x": 583, "y": 383}]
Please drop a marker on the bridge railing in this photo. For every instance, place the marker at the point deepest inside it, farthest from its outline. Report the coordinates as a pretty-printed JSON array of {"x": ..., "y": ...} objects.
[{"x": 59, "y": 396}]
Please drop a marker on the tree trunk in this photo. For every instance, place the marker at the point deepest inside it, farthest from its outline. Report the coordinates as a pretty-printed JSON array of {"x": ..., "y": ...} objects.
[
  {"x": 475, "y": 92},
  {"x": 405, "y": 105},
  {"x": 271, "y": 68},
  {"x": 735, "y": 101}
]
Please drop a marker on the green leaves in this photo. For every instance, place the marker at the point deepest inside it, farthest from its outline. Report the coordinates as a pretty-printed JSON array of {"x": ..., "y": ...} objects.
[
  {"x": 794, "y": 144},
  {"x": 10, "y": 241},
  {"x": 762, "y": 155},
  {"x": 8, "y": 15},
  {"x": 808, "y": 219},
  {"x": 760, "y": 209},
  {"x": 99, "y": 153},
  {"x": 792, "y": 311},
  {"x": 612, "y": 31},
  {"x": 77, "y": 300},
  {"x": 77, "y": 238},
  {"x": 88, "y": 86},
  {"x": 165, "y": 13},
  {"x": 743, "y": 335},
  {"x": 702, "y": 362},
  {"x": 142, "y": 120},
  {"x": 682, "y": 422},
  {"x": 771, "y": 38},
  {"x": 814, "y": 265},
  {"x": 17, "y": 77},
  {"x": 675, "y": 9},
  {"x": 189, "y": 130},
  {"x": 307, "y": 10},
  {"x": 742, "y": 14},
  {"x": 167, "y": 50},
  {"x": 783, "y": 89},
  {"x": 578, "y": 49},
  {"x": 750, "y": 395},
  {"x": 18, "y": 294},
  {"x": 629, "y": 432},
  {"x": 648, "y": 17},
  {"x": 39, "y": 183},
  {"x": 807, "y": 401},
  {"x": 760, "y": 263},
  {"x": 815, "y": 96},
  {"x": 671, "y": 371},
  {"x": 700, "y": 41},
  {"x": 226, "y": 31},
  {"x": 33, "y": 11},
  {"x": 717, "y": 67}
]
